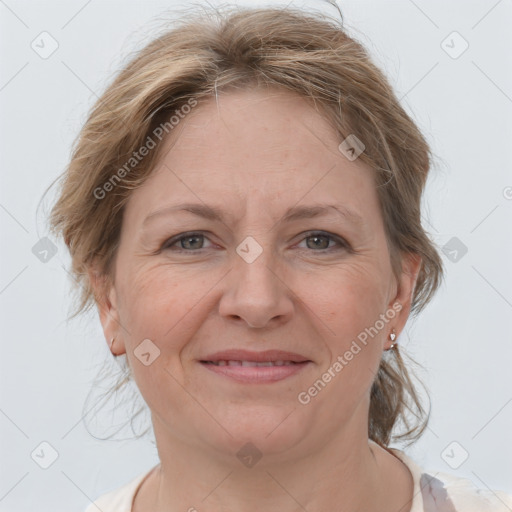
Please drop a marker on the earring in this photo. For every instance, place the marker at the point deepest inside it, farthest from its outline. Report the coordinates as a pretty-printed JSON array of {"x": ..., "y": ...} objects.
[
  {"x": 392, "y": 337},
  {"x": 111, "y": 344}
]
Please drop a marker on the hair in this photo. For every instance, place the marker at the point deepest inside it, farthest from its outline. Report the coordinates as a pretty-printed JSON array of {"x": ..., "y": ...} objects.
[{"x": 303, "y": 53}]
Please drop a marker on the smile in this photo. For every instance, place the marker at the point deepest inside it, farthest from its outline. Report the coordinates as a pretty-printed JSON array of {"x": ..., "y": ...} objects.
[
  {"x": 255, "y": 372},
  {"x": 251, "y": 363}
]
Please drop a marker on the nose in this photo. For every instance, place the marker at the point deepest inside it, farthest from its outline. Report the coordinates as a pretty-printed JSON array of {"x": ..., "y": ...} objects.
[{"x": 256, "y": 294}]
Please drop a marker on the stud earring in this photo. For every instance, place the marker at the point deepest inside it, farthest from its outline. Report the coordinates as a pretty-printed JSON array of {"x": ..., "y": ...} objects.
[{"x": 392, "y": 337}]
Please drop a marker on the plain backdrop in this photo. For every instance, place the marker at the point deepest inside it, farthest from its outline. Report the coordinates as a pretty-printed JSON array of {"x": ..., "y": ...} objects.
[{"x": 449, "y": 63}]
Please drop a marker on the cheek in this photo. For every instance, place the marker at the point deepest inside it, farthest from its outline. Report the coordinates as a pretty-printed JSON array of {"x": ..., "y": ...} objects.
[
  {"x": 354, "y": 298},
  {"x": 151, "y": 304},
  {"x": 165, "y": 305},
  {"x": 162, "y": 302},
  {"x": 348, "y": 299},
  {"x": 156, "y": 306}
]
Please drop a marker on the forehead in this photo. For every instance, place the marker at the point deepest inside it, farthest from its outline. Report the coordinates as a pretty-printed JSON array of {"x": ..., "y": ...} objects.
[
  {"x": 264, "y": 146},
  {"x": 271, "y": 121}
]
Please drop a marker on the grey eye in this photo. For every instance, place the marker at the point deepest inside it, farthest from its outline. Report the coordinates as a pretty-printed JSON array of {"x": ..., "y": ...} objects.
[
  {"x": 192, "y": 242},
  {"x": 319, "y": 241}
]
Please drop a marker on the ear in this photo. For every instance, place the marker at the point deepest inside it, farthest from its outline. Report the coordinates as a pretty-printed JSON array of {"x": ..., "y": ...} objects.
[
  {"x": 106, "y": 302},
  {"x": 402, "y": 301}
]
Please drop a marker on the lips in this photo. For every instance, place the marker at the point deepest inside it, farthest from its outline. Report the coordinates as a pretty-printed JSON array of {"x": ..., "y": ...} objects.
[
  {"x": 250, "y": 363},
  {"x": 237, "y": 357},
  {"x": 252, "y": 368}
]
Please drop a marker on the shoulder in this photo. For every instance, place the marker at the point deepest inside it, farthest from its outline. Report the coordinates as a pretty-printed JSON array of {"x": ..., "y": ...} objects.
[
  {"x": 461, "y": 494},
  {"x": 438, "y": 491},
  {"x": 120, "y": 499}
]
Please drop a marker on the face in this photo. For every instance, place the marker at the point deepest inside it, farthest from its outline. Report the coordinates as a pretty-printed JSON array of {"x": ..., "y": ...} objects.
[{"x": 267, "y": 272}]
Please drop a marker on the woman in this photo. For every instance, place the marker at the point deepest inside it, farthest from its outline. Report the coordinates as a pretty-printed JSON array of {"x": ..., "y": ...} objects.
[{"x": 243, "y": 208}]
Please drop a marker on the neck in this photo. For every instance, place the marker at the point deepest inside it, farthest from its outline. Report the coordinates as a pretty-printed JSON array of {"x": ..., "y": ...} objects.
[{"x": 342, "y": 474}]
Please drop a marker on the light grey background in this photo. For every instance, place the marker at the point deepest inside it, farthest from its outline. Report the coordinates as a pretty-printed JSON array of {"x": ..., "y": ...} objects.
[{"x": 463, "y": 339}]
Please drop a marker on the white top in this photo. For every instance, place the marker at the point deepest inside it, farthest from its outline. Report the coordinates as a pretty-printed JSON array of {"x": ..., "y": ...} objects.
[{"x": 434, "y": 491}]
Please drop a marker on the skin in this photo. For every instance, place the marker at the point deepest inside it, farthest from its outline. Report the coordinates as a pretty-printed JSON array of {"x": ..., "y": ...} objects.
[{"x": 255, "y": 154}]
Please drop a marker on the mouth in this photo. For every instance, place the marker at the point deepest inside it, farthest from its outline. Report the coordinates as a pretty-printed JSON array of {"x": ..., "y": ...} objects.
[
  {"x": 255, "y": 367},
  {"x": 251, "y": 363}
]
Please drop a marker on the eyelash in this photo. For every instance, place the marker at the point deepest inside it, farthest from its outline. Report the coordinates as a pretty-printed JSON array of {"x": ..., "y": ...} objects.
[{"x": 342, "y": 244}]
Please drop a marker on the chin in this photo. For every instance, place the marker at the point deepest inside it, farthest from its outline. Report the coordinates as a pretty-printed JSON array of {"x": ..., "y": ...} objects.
[{"x": 259, "y": 431}]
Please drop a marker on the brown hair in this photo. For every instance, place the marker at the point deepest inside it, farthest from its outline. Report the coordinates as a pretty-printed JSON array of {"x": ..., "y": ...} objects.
[{"x": 305, "y": 53}]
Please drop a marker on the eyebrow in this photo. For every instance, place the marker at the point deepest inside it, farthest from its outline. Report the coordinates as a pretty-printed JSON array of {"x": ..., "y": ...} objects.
[{"x": 292, "y": 214}]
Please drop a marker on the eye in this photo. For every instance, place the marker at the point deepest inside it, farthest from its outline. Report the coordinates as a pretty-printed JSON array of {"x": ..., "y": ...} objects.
[
  {"x": 187, "y": 242},
  {"x": 321, "y": 241}
]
